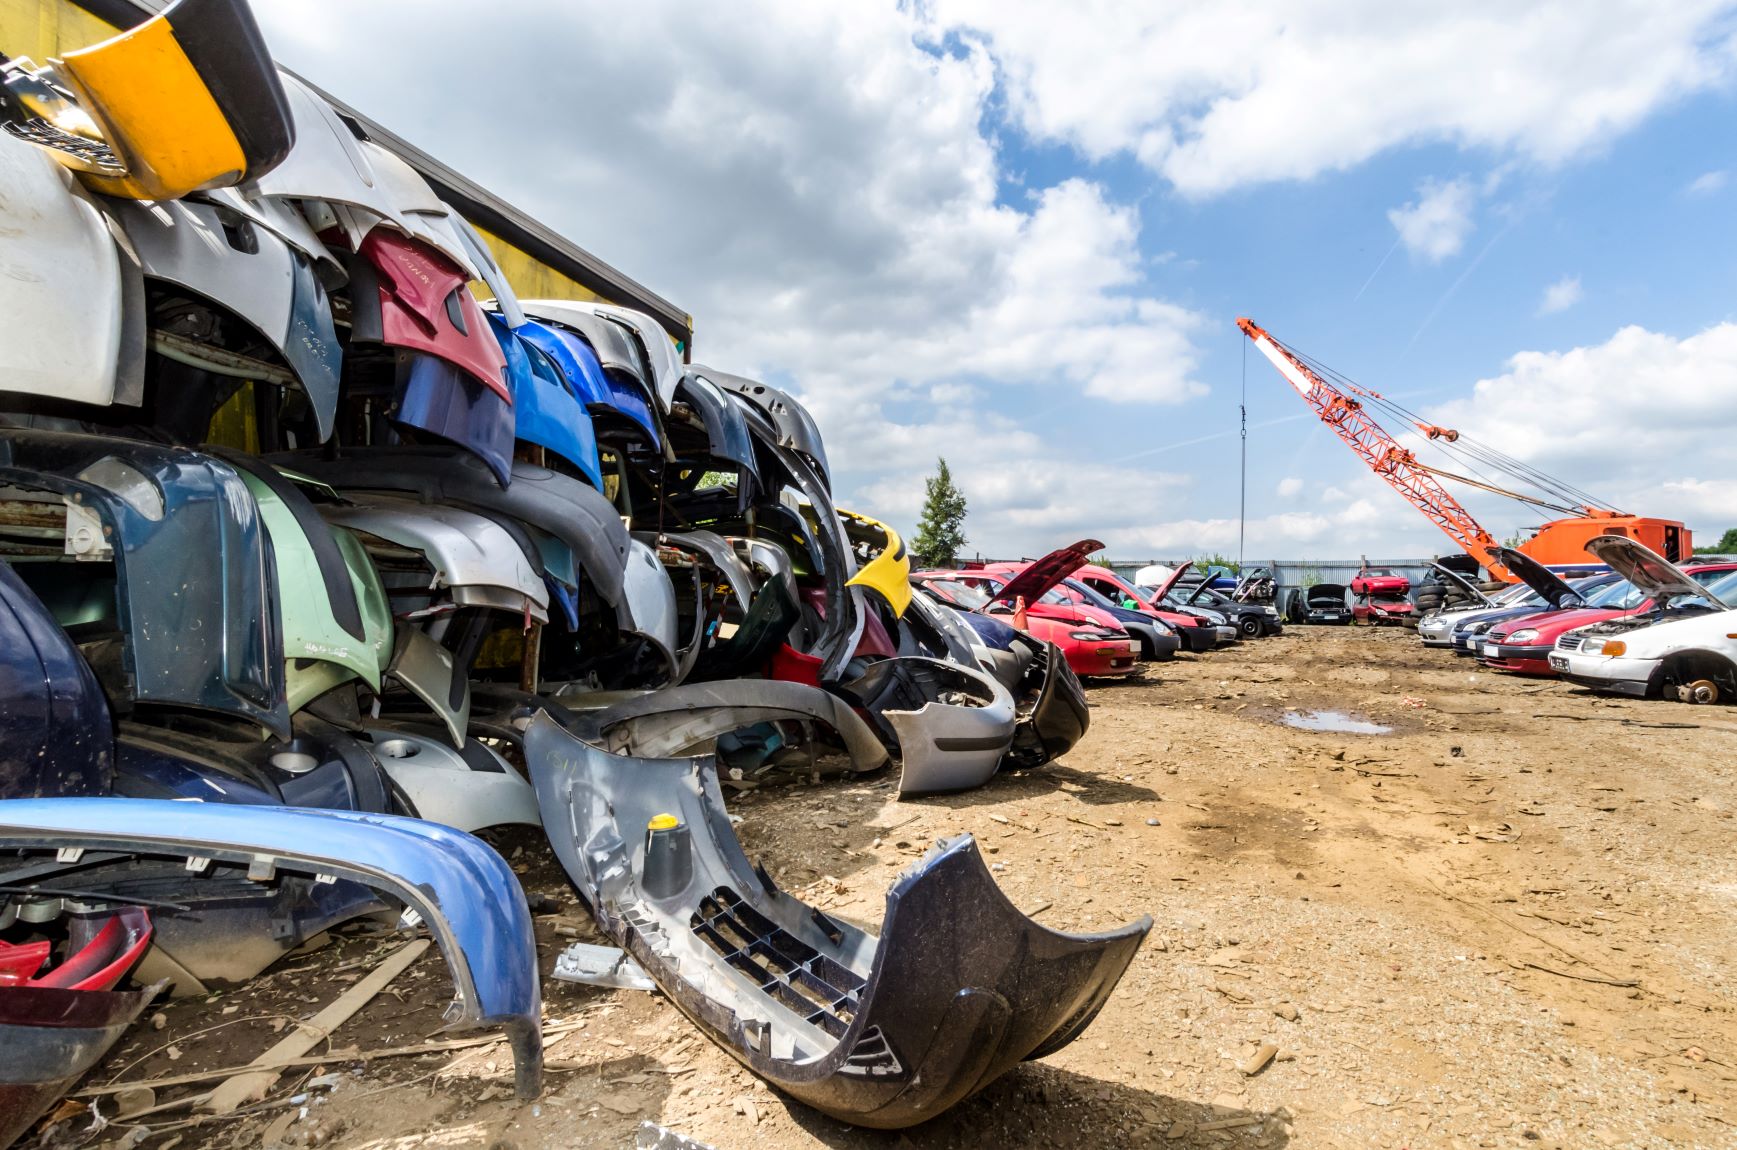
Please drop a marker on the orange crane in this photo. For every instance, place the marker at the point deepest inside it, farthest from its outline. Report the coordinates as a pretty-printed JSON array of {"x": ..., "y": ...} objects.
[{"x": 1344, "y": 407}]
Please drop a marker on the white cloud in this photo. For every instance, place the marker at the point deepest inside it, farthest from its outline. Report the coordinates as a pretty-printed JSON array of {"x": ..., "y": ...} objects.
[
  {"x": 1560, "y": 296},
  {"x": 1436, "y": 224},
  {"x": 1290, "y": 487},
  {"x": 808, "y": 180},
  {"x": 1707, "y": 183},
  {"x": 1645, "y": 421},
  {"x": 1215, "y": 94}
]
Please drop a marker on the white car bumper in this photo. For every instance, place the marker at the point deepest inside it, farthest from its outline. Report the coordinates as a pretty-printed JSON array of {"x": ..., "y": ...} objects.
[{"x": 1604, "y": 673}]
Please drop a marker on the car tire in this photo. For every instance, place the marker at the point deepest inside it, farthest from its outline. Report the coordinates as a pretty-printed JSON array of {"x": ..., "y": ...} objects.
[{"x": 1250, "y": 626}]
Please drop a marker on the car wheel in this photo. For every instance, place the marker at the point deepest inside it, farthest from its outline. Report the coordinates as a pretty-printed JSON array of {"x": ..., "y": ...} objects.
[
  {"x": 1700, "y": 677},
  {"x": 1249, "y": 626}
]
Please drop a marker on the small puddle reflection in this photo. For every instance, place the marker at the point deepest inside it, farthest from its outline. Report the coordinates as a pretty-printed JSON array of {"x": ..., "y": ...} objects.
[{"x": 1337, "y": 721}]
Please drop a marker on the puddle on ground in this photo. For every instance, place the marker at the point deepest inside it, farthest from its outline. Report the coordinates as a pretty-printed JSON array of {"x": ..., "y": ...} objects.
[{"x": 1336, "y": 721}]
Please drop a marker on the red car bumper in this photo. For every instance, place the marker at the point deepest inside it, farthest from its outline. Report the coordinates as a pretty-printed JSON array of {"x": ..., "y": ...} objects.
[{"x": 1109, "y": 658}]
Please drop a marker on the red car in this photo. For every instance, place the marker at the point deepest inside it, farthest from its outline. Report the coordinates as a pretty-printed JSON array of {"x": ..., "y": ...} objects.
[
  {"x": 1197, "y": 632},
  {"x": 1094, "y": 645},
  {"x": 1383, "y": 581},
  {"x": 1379, "y": 596},
  {"x": 1523, "y": 645}
]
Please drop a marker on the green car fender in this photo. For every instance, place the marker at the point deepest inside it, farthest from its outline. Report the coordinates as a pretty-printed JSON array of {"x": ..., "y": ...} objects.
[{"x": 319, "y": 651}]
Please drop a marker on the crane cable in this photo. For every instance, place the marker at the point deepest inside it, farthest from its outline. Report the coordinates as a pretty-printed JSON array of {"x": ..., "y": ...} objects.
[{"x": 1470, "y": 452}]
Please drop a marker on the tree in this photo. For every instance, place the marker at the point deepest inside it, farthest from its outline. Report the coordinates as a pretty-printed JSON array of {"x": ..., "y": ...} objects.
[
  {"x": 940, "y": 532},
  {"x": 1727, "y": 544}
]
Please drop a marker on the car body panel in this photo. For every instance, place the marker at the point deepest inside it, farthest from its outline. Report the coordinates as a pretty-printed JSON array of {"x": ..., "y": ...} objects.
[
  {"x": 463, "y": 891},
  {"x": 467, "y": 550},
  {"x": 445, "y": 401},
  {"x": 662, "y": 358},
  {"x": 55, "y": 734},
  {"x": 619, "y": 384},
  {"x": 60, "y": 283},
  {"x": 248, "y": 271},
  {"x": 888, "y": 574},
  {"x": 447, "y": 787},
  {"x": 187, "y": 99},
  {"x": 195, "y": 595},
  {"x": 1656, "y": 576},
  {"x": 887, "y": 1033},
  {"x": 796, "y": 429},
  {"x": 1550, "y": 586},
  {"x": 567, "y": 508},
  {"x": 545, "y": 412},
  {"x": 324, "y": 580},
  {"x": 687, "y": 720},
  {"x": 726, "y": 425},
  {"x": 52, "y": 1036},
  {"x": 952, "y": 724},
  {"x": 1040, "y": 575},
  {"x": 418, "y": 301}
]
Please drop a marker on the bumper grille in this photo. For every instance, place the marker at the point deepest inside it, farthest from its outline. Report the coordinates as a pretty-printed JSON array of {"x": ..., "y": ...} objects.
[{"x": 1570, "y": 643}]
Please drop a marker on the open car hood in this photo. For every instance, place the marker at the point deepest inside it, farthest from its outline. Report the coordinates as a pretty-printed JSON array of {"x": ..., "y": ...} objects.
[
  {"x": 1042, "y": 574},
  {"x": 1168, "y": 584},
  {"x": 1465, "y": 584},
  {"x": 1540, "y": 578},
  {"x": 1661, "y": 579}
]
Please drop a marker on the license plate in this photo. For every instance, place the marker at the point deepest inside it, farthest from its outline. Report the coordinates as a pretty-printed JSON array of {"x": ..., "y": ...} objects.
[
  {"x": 1490, "y": 650},
  {"x": 1133, "y": 646},
  {"x": 1559, "y": 662}
]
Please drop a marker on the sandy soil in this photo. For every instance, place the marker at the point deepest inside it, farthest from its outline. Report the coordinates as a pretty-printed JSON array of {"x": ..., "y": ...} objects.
[{"x": 1508, "y": 921}]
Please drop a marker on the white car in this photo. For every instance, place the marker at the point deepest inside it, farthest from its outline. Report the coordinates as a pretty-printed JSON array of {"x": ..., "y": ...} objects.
[{"x": 1674, "y": 654}]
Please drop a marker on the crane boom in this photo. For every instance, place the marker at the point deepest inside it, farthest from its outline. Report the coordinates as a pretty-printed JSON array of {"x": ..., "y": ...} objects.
[{"x": 1348, "y": 420}]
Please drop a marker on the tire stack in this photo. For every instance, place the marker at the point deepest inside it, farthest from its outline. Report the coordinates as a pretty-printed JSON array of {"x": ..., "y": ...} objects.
[{"x": 1437, "y": 594}]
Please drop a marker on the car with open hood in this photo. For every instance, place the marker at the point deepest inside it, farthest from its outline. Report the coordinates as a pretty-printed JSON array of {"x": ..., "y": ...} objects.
[
  {"x": 1092, "y": 642},
  {"x": 1549, "y": 591},
  {"x": 1524, "y": 645},
  {"x": 1684, "y": 647},
  {"x": 1197, "y": 632},
  {"x": 1158, "y": 640},
  {"x": 1251, "y": 620}
]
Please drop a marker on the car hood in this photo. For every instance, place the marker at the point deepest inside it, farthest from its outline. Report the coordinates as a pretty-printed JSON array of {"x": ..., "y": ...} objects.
[
  {"x": 1466, "y": 585},
  {"x": 1042, "y": 574},
  {"x": 1661, "y": 579},
  {"x": 1535, "y": 575},
  {"x": 1552, "y": 623}
]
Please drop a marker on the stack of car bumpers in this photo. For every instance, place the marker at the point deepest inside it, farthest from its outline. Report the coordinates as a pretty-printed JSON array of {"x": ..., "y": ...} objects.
[{"x": 293, "y": 526}]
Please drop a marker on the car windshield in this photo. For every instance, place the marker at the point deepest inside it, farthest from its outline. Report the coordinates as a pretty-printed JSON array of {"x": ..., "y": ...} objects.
[
  {"x": 961, "y": 593},
  {"x": 1380, "y": 572},
  {"x": 1055, "y": 595},
  {"x": 1724, "y": 586},
  {"x": 1618, "y": 596},
  {"x": 1091, "y": 595}
]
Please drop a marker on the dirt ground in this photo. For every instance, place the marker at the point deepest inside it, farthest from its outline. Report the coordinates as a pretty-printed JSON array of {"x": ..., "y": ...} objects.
[{"x": 1507, "y": 921}]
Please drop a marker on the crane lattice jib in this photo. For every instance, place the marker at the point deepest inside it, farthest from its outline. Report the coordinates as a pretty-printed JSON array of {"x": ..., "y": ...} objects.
[{"x": 1351, "y": 423}]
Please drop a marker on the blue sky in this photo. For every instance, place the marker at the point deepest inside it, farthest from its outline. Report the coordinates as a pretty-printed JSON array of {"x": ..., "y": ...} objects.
[{"x": 978, "y": 229}]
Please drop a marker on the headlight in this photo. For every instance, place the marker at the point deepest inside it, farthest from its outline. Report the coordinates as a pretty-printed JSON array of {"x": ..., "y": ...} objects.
[
  {"x": 1269, "y": 610},
  {"x": 1613, "y": 647},
  {"x": 1089, "y": 636},
  {"x": 1477, "y": 628},
  {"x": 1525, "y": 636}
]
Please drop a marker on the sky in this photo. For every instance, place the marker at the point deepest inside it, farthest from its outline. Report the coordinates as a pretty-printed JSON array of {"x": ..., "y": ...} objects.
[{"x": 1018, "y": 235}]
